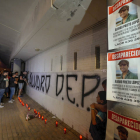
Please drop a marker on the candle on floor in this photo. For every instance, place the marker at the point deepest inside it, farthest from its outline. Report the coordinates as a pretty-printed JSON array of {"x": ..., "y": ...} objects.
[
  {"x": 42, "y": 117},
  {"x": 56, "y": 123},
  {"x": 34, "y": 110},
  {"x": 22, "y": 103},
  {"x": 38, "y": 113},
  {"x": 39, "y": 116},
  {"x": 80, "y": 137},
  {"x": 29, "y": 108},
  {"x": 45, "y": 121},
  {"x": 64, "y": 130}
]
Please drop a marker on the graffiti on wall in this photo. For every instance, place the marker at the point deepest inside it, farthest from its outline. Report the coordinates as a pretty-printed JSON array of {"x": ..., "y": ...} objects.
[{"x": 42, "y": 82}]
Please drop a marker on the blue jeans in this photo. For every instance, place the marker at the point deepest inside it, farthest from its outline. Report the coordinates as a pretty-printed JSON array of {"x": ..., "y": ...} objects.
[
  {"x": 12, "y": 92},
  {"x": 1, "y": 93}
]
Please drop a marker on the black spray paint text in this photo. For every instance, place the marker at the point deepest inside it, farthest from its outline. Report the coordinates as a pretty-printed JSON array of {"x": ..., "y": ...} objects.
[{"x": 42, "y": 83}]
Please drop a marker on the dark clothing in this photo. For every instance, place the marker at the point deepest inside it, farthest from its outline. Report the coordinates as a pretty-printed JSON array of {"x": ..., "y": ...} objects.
[
  {"x": 16, "y": 89},
  {"x": 11, "y": 82},
  {"x": 1, "y": 94},
  {"x": 16, "y": 86},
  {"x": 98, "y": 131},
  {"x": 2, "y": 82},
  {"x": 21, "y": 81},
  {"x": 7, "y": 90}
]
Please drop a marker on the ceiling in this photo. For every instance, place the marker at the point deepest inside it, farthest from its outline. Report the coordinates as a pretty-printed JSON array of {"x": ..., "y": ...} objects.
[{"x": 29, "y": 24}]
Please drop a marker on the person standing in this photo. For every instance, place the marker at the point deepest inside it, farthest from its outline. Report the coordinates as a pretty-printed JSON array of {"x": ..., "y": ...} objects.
[
  {"x": 98, "y": 118},
  {"x": 2, "y": 86},
  {"x": 7, "y": 86},
  {"x": 16, "y": 86},
  {"x": 22, "y": 79},
  {"x": 101, "y": 107},
  {"x": 12, "y": 83}
]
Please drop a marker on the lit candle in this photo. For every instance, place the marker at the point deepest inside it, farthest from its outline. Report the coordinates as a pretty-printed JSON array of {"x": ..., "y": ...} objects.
[
  {"x": 29, "y": 108},
  {"x": 45, "y": 121},
  {"x": 64, "y": 130},
  {"x": 34, "y": 110},
  {"x": 26, "y": 105},
  {"x": 39, "y": 116},
  {"x": 56, "y": 123},
  {"x": 80, "y": 137},
  {"x": 22, "y": 103},
  {"x": 42, "y": 117},
  {"x": 38, "y": 113}
]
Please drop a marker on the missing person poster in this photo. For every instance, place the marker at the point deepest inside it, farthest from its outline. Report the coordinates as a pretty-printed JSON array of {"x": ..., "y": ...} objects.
[
  {"x": 123, "y": 76},
  {"x": 120, "y": 127},
  {"x": 123, "y": 24}
]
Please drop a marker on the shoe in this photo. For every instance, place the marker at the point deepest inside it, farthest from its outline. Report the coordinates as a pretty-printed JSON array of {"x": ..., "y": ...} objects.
[
  {"x": 13, "y": 100},
  {"x": 1, "y": 106},
  {"x": 2, "y": 103},
  {"x": 10, "y": 101}
]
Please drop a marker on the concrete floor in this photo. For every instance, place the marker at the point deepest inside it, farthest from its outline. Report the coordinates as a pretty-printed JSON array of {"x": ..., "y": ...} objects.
[{"x": 13, "y": 125}]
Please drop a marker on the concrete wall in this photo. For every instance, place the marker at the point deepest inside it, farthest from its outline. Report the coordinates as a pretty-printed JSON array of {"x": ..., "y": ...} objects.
[{"x": 84, "y": 44}]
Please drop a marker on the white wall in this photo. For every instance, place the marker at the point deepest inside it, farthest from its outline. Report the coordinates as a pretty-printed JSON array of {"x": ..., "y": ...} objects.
[{"x": 84, "y": 45}]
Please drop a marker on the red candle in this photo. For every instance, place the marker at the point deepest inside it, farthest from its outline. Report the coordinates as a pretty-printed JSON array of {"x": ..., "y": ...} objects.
[
  {"x": 64, "y": 130},
  {"x": 26, "y": 105},
  {"x": 38, "y": 113},
  {"x": 56, "y": 123},
  {"x": 22, "y": 103},
  {"x": 39, "y": 116},
  {"x": 34, "y": 110},
  {"x": 80, "y": 137},
  {"x": 45, "y": 121},
  {"x": 42, "y": 117},
  {"x": 29, "y": 108}
]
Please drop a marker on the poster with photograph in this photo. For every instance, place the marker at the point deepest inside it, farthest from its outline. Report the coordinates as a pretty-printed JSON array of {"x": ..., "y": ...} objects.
[
  {"x": 123, "y": 24},
  {"x": 120, "y": 127},
  {"x": 123, "y": 76}
]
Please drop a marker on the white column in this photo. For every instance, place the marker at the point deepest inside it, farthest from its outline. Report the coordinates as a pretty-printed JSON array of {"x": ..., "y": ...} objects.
[{"x": 17, "y": 65}]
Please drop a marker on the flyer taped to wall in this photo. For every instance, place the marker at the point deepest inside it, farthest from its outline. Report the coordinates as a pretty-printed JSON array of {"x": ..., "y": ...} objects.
[
  {"x": 123, "y": 24},
  {"x": 120, "y": 127},
  {"x": 123, "y": 76}
]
